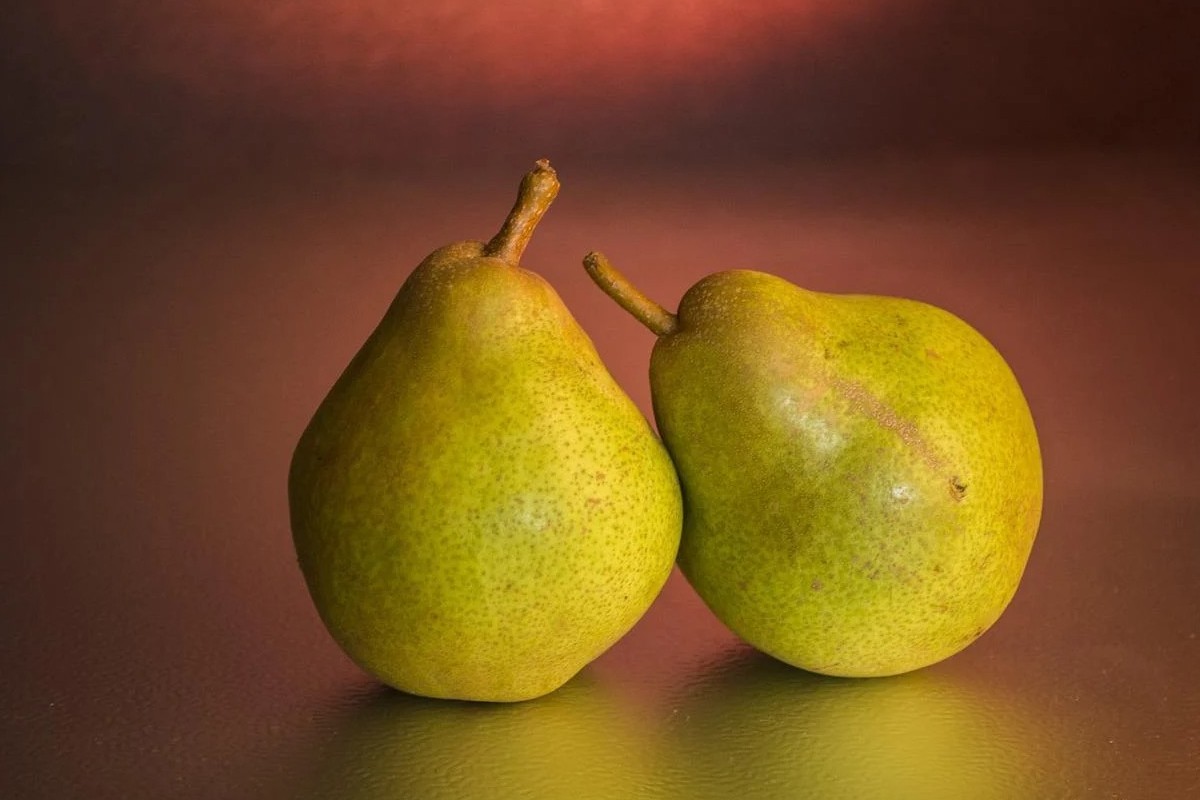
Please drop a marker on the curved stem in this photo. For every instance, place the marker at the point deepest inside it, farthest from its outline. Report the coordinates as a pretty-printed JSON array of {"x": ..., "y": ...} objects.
[
  {"x": 628, "y": 296},
  {"x": 537, "y": 192}
]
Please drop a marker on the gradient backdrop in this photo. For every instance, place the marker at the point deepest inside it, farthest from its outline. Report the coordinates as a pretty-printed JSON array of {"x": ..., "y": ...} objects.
[
  {"x": 205, "y": 207},
  {"x": 406, "y": 84}
]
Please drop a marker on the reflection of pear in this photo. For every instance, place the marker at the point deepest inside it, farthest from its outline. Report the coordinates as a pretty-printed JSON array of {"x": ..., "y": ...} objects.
[
  {"x": 757, "y": 728},
  {"x": 571, "y": 744}
]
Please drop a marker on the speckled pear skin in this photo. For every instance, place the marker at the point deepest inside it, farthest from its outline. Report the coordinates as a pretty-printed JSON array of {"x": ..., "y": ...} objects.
[
  {"x": 861, "y": 474},
  {"x": 478, "y": 509}
]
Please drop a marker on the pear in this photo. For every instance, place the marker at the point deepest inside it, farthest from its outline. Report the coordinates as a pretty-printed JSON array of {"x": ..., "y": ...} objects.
[
  {"x": 477, "y": 508},
  {"x": 861, "y": 475}
]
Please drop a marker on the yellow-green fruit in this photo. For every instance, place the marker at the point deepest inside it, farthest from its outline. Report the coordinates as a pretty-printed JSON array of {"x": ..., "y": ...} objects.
[
  {"x": 861, "y": 474},
  {"x": 478, "y": 509}
]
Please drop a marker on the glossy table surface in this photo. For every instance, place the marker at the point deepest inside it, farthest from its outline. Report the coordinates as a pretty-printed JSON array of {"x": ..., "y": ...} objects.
[{"x": 165, "y": 341}]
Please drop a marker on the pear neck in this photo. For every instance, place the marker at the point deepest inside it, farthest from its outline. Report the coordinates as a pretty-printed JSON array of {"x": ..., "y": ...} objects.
[
  {"x": 660, "y": 321},
  {"x": 538, "y": 190}
]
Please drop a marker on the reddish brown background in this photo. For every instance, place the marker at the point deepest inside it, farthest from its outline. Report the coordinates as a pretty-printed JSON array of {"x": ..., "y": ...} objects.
[
  {"x": 368, "y": 82},
  {"x": 205, "y": 209}
]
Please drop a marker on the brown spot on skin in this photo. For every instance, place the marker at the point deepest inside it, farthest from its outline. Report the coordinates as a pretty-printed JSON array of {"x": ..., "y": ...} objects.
[
  {"x": 743, "y": 585},
  {"x": 972, "y": 636},
  {"x": 933, "y": 354},
  {"x": 958, "y": 489},
  {"x": 592, "y": 502},
  {"x": 869, "y": 568},
  {"x": 817, "y": 586}
]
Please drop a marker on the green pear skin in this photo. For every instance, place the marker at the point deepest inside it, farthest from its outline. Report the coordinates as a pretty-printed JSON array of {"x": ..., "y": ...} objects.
[
  {"x": 478, "y": 509},
  {"x": 861, "y": 474}
]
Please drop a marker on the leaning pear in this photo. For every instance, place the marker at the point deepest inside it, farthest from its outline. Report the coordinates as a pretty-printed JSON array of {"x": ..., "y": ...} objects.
[{"x": 861, "y": 474}]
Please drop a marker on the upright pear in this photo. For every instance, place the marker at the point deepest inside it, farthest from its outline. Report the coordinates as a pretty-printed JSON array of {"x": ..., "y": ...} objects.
[
  {"x": 478, "y": 509},
  {"x": 861, "y": 474}
]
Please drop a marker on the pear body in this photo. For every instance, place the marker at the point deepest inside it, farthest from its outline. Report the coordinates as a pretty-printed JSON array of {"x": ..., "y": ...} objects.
[
  {"x": 478, "y": 509},
  {"x": 861, "y": 474}
]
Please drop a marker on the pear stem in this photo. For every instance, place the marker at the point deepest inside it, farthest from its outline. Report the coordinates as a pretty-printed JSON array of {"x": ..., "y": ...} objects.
[
  {"x": 628, "y": 296},
  {"x": 538, "y": 190}
]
